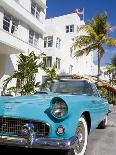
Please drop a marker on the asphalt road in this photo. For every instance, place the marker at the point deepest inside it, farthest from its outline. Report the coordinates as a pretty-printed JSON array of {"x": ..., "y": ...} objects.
[
  {"x": 100, "y": 142},
  {"x": 103, "y": 141}
]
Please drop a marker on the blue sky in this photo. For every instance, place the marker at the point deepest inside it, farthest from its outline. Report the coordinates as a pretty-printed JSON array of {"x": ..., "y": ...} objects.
[{"x": 91, "y": 7}]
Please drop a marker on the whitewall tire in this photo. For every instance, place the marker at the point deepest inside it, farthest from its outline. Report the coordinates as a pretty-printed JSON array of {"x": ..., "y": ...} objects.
[{"x": 82, "y": 135}]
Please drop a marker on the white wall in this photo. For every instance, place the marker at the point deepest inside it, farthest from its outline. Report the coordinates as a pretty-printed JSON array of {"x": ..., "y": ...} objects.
[
  {"x": 1, "y": 17},
  {"x": 13, "y": 8},
  {"x": 7, "y": 67},
  {"x": 10, "y": 44},
  {"x": 56, "y": 27},
  {"x": 23, "y": 31},
  {"x": 2, "y": 64},
  {"x": 26, "y": 4},
  {"x": 2, "y": 70}
]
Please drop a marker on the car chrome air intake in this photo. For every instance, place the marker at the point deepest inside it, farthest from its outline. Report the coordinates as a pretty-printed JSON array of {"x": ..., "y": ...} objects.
[{"x": 14, "y": 126}]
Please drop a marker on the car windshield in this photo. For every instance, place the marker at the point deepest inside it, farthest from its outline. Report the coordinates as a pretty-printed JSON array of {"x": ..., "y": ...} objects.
[{"x": 68, "y": 87}]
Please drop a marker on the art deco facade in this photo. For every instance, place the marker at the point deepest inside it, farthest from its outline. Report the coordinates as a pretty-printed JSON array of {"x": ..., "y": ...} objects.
[{"x": 21, "y": 30}]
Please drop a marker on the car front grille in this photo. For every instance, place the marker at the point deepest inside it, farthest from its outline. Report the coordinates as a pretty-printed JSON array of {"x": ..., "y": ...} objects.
[{"x": 14, "y": 126}]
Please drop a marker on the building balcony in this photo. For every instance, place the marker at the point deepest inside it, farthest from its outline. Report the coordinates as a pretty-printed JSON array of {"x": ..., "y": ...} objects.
[
  {"x": 14, "y": 8},
  {"x": 11, "y": 44},
  {"x": 42, "y": 3}
]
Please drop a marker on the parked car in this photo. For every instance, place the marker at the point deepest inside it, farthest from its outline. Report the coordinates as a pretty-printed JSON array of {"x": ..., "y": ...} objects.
[{"x": 60, "y": 116}]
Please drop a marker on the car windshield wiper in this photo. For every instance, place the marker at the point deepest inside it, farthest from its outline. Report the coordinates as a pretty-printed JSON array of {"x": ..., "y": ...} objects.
[{"x": 41, "y": 92}]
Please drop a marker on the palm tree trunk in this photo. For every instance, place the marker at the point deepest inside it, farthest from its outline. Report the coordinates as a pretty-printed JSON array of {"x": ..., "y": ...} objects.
[{"x": 98, "y": 65}]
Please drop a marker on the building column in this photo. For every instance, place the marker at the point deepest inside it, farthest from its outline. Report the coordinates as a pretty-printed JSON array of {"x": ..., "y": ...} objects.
[{"x": 1, "y": 17}]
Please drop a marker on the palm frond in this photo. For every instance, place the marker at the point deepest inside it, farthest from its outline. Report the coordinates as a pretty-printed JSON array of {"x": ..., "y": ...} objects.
[
  {"x": 89, "y": 30},
  {"x": 85, "y": 50},
  {"x": 81, "y": 42},
  {"x": 110, "y": 42}
]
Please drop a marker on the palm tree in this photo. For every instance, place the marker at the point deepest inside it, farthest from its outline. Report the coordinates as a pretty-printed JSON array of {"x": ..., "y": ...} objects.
[
  {"x": 96, "y": 36},
  {"x": 28, "y": 66},
  {"x": 113, "y": 61}
]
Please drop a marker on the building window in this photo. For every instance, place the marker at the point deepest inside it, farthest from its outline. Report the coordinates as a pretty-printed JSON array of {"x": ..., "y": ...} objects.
[
  {"x": 47, "y": 61},
  {"x": 69, "y": 28},
  {"x": 33, "y": 38},
  {"x": 6, "y": 22},
  {"x": 70, "y": 69},
  {"x": 58, "y": 42},
  {"x": 35, "y": 9},
  {"x": 58, "y": 63},
  {"x": 10, "y": 24},
  {"x": 48, "y": 41},
  {"x": 36, "y": 39},
  {"x": 45, "y": 42}
]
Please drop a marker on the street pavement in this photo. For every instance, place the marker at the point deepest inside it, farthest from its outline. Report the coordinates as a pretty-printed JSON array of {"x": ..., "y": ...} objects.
[
  {"x": 103, "y": 141},
  {"x": 100, "y": 142}
]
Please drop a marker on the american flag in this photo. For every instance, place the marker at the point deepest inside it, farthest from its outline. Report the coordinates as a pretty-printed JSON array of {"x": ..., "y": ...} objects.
[{"x": 79, "y": 11}]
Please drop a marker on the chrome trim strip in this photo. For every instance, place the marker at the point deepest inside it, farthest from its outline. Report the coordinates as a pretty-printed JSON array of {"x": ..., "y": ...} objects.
[{"x": 44, "y": 143}]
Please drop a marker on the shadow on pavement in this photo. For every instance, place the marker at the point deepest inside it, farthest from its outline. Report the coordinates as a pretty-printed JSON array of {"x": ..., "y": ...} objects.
[{"x": 21, "y": 151}]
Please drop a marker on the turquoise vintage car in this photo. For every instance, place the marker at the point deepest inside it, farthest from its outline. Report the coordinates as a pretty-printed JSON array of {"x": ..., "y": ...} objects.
[{"x": 60, "y": 116}]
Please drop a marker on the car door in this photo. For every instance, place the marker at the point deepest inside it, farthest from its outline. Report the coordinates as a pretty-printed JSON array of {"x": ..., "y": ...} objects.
[{"x": 99, "y": 105}]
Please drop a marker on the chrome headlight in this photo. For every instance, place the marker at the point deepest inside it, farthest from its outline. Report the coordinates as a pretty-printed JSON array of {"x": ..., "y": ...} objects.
[{"x": 59, "y": 108}]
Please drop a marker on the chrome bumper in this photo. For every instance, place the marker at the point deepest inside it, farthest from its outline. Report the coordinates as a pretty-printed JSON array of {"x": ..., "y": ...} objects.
[{"x": 44, "y": 143}]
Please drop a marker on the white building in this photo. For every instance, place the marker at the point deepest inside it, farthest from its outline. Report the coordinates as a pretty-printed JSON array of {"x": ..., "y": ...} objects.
[
  {"x": 103, "y": 69},
  {"x": 21, "y": 30},
  {"x": 57, "y": 43}
]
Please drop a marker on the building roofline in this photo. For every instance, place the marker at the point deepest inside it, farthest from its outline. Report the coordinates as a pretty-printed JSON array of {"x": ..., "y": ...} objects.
[{"x": 63, "y": 16}]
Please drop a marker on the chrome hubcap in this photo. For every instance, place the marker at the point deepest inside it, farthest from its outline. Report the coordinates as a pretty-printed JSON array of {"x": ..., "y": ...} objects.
[{"x": 80, "y": 138}]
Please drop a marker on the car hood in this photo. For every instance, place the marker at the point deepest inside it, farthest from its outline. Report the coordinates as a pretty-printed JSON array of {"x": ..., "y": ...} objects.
[
  {"x": 25, "y": 106},
  {"x": 32, "y": 107}
]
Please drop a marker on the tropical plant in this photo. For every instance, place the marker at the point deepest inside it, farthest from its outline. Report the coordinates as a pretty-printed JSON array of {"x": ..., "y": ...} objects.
[
  {"x": 104, "y": 94},
  {"x": 28, "y": 66},
  {"x": 111, "y": 71},
  {"x": 51, "y": 73},
  {"x": 95, "y": 37}
]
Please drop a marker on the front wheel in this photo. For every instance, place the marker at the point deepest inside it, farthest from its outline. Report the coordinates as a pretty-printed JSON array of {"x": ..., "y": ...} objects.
[
  {"x": 82, "y": 134},
  {"x": 103, "y": 123}
]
